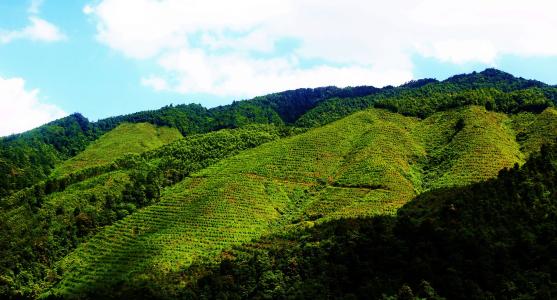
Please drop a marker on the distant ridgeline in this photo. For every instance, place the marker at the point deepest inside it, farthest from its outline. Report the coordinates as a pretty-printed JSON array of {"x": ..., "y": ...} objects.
[
  {"x": 145, "y": 204},
  {"x": 30, "y": 157},
  {"x": 444, "y": 244}
]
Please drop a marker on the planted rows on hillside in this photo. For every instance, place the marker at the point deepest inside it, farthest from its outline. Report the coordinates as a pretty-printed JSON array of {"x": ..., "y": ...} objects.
[{"x": 299, "y": 179}]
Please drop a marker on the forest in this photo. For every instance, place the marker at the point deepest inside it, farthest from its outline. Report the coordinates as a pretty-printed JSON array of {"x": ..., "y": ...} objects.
[
  {"x": 457, "y": 242},
  {"x": 429, "y": 190}
]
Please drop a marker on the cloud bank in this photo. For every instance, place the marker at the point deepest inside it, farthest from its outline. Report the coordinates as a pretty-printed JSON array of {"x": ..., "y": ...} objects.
[
  {"x": 234, "y": 47},
  {"x": 21, "y": 109},
  {"x": 37, "y": 30}
]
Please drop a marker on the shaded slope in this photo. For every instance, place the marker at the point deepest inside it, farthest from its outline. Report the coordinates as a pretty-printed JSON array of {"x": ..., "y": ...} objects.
[
  {"x": 301, "y": 178},
  {"x": 30, "y": 157},
  {"x": 491, "y": 240},
  {"x": 44, "y": 223},
  {"x": 127, "y": 138}
]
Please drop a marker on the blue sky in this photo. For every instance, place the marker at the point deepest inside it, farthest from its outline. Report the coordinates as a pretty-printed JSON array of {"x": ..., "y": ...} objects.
[{"x": 111, "y": 57}]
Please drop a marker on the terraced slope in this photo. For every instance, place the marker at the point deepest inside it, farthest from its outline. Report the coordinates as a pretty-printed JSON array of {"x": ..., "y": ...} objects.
[
  {"x": 369, "y": 163},
  {"x": 472, "y": 151},
  {"x": 532, "y": 130},
  {"x": 126, "y": 138}
]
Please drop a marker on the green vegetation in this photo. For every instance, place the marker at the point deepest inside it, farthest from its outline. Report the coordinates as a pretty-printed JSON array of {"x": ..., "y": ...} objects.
[
  {"x": 491, "y": 240},
  {"x": 496, "y": 90},
  {"x": 30, "y": 157},
  {"x": 532, "y": 130},
  {"x": 368, "y": 164},
  {"x": 42, "y": 224},
  {"x": 313, "y": 193},
  {"x": 473, "y": 151},
  {"x": 127, "y": 138},
  {"x": 431, "y": 98}
]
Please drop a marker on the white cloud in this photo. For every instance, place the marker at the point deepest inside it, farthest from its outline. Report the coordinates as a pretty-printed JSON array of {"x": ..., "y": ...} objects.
[
  {"x": 37, "y": 30},
  {"x": 21, "y": 109},
  {"x": 88, "y": 9},
  {"x": 462, "y": 51},
  {"x": 479, "y": 31},
  {"x": 157, "y": 83},
  {"x": 240, "y": 75},
  {"x": 142, "y": 28},
  {"x": 208, "y": 46},
  {"x": 35, "y": 6},
  {"x": 258, "y": 41}
]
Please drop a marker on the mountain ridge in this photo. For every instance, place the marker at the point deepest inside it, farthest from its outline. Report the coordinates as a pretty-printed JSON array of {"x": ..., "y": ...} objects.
[
  {"x": 140, "y": 197},
  {"x": 275, "y": 174}
]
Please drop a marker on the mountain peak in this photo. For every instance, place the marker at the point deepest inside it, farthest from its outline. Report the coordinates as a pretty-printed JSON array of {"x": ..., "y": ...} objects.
[
  {"x": 492, "y": 72},
  {"x": 492, "y": 76}
]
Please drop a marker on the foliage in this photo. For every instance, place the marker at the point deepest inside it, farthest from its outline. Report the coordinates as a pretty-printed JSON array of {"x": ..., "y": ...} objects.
[
  {"x": 44, "y": 223},
  {"x": 135, "y": 210},
  {"x": 127, "y": 138},
  {"x": 491, "y": 240},
  {"x": 496, "y": 90},
  {"x": 370, "y": 163},
  {"x": 30, "y": 157}
]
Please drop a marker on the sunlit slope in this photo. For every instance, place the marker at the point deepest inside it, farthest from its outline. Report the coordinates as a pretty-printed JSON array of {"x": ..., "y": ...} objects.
[
  {"x": 231, "y": 202},
  {"x": 466, "y": 145},
  {"x": 126, "y": 138},
  {"x": 532, "y": 130},
  {"x": 67, "y": 211},
  {"x": 369, "y": 163}
]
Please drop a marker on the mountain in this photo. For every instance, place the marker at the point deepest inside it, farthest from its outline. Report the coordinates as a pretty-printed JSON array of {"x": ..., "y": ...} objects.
[
  {"x": 493, "y": 77},
  {"x": 452, "y": 243},
  {"x": 170, "y": 203},
  {"x": 124, "y": 139},
  {"x": 40, "y": 150},
  {"x": 30, "y": 157},
  {"x": 369, "y": 163}
]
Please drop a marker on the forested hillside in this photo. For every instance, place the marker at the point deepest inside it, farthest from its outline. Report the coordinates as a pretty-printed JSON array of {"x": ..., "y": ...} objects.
[
  {"x": 304, "y": 193},
  {"x": 44, "y": 148},
  {"x": 43, "y": 223},
  {"x": 491, "y": 240},
  {"x": 367, "y": 164},
  {"x": 127, "y": 138},
  {"x": 31, "y": 156}
]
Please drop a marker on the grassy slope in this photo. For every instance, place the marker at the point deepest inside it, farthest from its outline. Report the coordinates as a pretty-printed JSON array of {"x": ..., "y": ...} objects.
[
  {"x": 478, "y": 151},
  {"x": 533, "y": 130},
  {"x": 369, "y": 163},
  {"x": 59, "y": 209},
  {"x": 126, "y": 138},
  {"x": 36, "y": 233},
  {"x": 471, "y": 242}
]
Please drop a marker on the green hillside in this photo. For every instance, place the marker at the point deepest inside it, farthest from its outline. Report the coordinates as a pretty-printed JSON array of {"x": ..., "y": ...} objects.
[
  {"x": 149, "y": 204},
  {"x": 367, "y": 164},
  {"x": 30, "y": 157},
  {"x": 532, "y": 130},
  {"x": 127, "y": 138},
  {"x": 452, "y": 243},
  {"x": 42, "y": 224}
]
